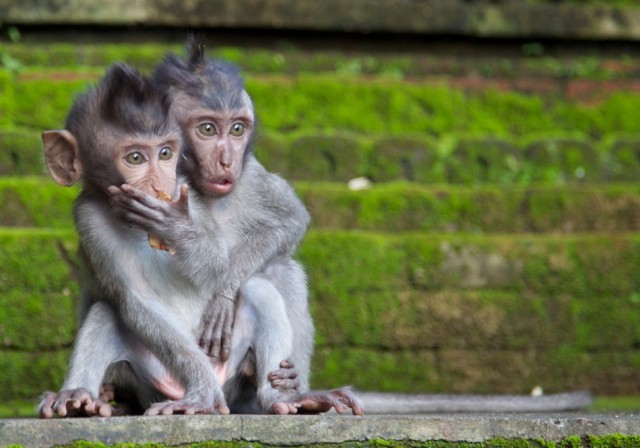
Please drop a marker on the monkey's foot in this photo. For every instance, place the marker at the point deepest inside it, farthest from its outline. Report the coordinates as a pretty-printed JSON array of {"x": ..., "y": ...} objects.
[
  {"x": 319, "y": 402},
  {"x": 285, "y": 379},
  {"x": 73, "y": 403},
  {"x": 186, "y": 407}
]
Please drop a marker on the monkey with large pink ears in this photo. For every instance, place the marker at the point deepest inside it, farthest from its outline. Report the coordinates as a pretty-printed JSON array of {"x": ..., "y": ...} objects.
[
  {"x": 140, "y": 306},
  {"x": 143, "y": 308}
]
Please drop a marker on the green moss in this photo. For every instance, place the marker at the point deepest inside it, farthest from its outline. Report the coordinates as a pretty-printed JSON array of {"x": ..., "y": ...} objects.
[
  {"x": 35, "y": 202},
  {"x": 484, "y": 160},
  {"x": 561, "y": 159},
  {"x": 392, "y": 207},
  {"x": 18, "y": 409},
  {"x": 20, "y": 153},
  {"x": 325, "y": 157},
  {"x": 408, "y": 371},
  {"x": 26, "y": 375},
  {"x": 38, "y": 290},
  {"x": 272, "y": 150},
  {"x": 404, "y": 158},
  {"x": 378, "y": 106},
  {"x": 614, "y": 403},
  {"x": 615, "y": 440},
  {"x": 623, "y": 158},
  {"x": 493, "y": 308}
]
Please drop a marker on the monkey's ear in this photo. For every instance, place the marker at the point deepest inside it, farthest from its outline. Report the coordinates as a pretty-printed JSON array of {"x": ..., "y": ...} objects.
[{"x": 61, "y": 156}]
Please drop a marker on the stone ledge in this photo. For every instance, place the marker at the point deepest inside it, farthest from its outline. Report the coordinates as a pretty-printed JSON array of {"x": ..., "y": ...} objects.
[
  {"x": 453, "y": 17},
  {"x": 301, "y": 430}
]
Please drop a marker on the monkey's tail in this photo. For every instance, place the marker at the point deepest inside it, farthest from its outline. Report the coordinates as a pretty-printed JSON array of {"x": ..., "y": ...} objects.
[{"x": 397, "y": 403}]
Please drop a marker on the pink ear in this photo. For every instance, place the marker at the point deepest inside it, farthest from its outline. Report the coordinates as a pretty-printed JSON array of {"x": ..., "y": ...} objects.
[{"x": 61, "y": 156}]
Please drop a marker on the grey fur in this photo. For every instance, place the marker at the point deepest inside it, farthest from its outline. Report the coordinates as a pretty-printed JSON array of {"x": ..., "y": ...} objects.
[{"x": 139, "y": 304}]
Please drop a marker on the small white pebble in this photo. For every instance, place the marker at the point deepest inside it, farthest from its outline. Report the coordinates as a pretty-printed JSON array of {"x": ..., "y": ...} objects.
[
  {"x": 537, "y": 391},
  {"x": 359, "y": 183}
]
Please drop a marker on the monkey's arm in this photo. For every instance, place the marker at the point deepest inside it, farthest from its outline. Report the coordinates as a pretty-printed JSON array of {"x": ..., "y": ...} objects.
[
  {"x": 119, "y": 258},
  {"x": 184, "y": 225},
  {"x": 271, "y": 227}
]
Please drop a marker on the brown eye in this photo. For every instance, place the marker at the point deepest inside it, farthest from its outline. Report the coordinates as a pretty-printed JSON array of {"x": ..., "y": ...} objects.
[
  {"x": 237, "y": 129},
  {"x": 134, "y": 158},
  {"x": 165, "y": 153},
  {"x": 207, "y": 129}
]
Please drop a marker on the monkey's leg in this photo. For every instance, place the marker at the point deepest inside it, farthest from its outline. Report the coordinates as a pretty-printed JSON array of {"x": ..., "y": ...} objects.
[
  {"x": 271, "y": 337},
  {"x": 96, "y": 347},
  {"x": 289, "y": 279}
]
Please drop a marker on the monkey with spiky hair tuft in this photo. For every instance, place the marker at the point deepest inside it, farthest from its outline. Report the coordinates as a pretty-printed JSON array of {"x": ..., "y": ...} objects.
[{"x": 257, "y": 325}]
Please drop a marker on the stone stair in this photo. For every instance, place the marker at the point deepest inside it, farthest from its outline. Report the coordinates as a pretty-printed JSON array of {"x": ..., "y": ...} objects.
[{"x": 496, "y": 250}]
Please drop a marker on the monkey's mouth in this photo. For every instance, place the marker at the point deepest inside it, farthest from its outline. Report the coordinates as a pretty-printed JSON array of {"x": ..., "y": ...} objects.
[{"x": 220, "y": 186}]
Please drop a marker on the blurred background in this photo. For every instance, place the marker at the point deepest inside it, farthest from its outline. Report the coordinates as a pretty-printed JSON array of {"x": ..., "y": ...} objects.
[{"x": 490, "y": 242}]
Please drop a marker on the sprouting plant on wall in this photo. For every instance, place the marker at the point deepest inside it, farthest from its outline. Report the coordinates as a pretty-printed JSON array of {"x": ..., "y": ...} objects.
[{"x": 7, "y": 61}]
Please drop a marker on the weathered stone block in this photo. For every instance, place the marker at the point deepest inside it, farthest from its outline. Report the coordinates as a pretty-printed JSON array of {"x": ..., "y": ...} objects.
[
  {"x": 336, "y": 158},
  {"x": 562, "y": 160},
  {"x": 404, "y": 158},
  {"x": 487, "y": 160}
]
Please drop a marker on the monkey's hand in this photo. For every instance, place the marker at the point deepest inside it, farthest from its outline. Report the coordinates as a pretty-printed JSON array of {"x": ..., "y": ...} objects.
[
  {"x": 190, "y": 406},
  {"x": 285, "y": 379},
  {"x": 319, "y": 402},
  {"x": 73, "y": 403},
  {"x": 166, "y": 220},
  {"x": 216, "y": 325}
]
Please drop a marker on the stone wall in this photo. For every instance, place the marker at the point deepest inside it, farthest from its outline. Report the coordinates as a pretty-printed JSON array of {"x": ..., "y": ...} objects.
[{"x": 515, "y": 19}]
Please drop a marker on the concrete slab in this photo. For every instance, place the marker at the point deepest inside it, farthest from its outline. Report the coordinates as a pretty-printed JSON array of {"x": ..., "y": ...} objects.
[{"x": 301, "y": 430}]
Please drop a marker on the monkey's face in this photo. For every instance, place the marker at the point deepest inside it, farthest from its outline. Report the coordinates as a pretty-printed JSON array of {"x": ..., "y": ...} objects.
[
  {"x": 217, "y": 143},
  {"x": 149, "y": 163}
]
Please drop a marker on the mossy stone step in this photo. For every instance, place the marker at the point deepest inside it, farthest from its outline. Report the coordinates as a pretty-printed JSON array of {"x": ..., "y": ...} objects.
[
  {"x": 36, "y": 201},
  {"x": 375, "y": 105},
  {"x": 458, "y": 159},
  {"x": 394, "y": 312}
]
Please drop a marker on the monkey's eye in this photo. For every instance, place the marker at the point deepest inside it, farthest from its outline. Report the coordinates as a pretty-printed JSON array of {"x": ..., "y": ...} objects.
[
  {"x": 135, "y": 158},
  {"x": 237, "y": 129},
  {"x": 165, "y": 153},
  {"x": 207, "y": 129}
]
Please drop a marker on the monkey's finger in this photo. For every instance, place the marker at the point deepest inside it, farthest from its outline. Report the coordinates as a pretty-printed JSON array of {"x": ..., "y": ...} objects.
[
  {"x": 107, "y": 392},
  {"x": 104, "y": 410},
  {"x": 225, "y": 348},
  {"x": 282, "y": 408},
  {"x": 80, "y": 397},
  {"x": 350, "y": 400},
  {"x": 61, "y": 408},
  {"x": 153, "y": 410},
  {"x": 223, "y": 409},
  {"x": 121, "y": 204},
  {"x": 145, "y": 221},
  {"x": 285, "y": 385},
  {"x": 215, "y": 348},
  {"x": 283, "y": 374},
  {"x": 205, "y": 339},
  {"x": 113, "y": 190},
  {"x": 46, "y": 406},
  {"x": 183, "y": 200},
  {"x": 286, "y": 364},
  {"x": 139, "y": 201}
]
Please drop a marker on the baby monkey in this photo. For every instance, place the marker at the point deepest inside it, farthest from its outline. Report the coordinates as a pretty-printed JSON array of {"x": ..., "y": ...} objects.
[
  {"x": 259, "y": 222},
  {"x": 141, "y": 308}
]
